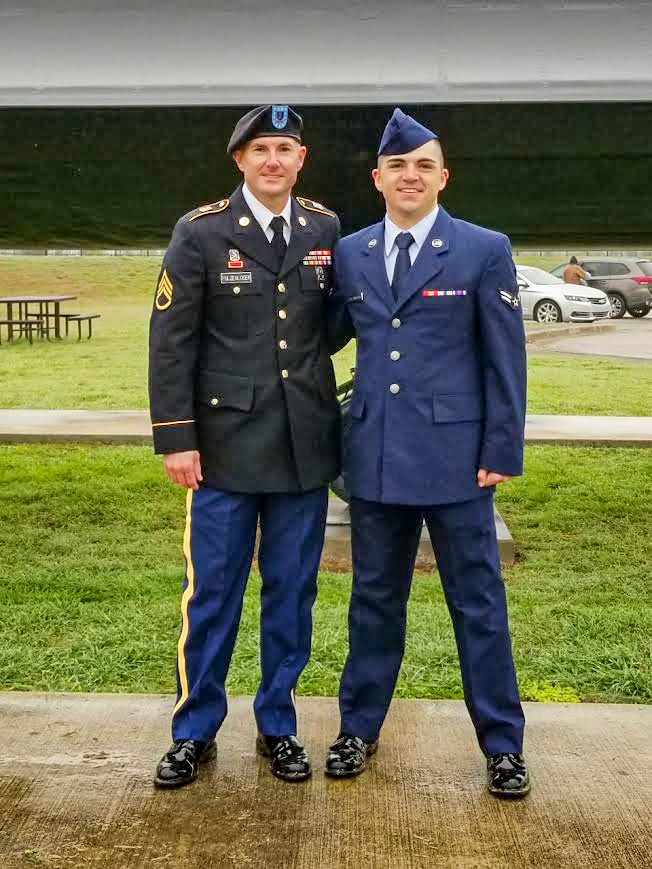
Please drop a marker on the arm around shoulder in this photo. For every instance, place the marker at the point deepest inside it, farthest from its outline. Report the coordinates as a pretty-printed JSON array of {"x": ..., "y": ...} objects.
[{"x": 339, "y": 326}]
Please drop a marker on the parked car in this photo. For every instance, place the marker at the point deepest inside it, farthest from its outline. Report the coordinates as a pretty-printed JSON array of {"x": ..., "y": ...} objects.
[
  {"x": 547, "y": 299},
  {"x": 626, "y": 280}
]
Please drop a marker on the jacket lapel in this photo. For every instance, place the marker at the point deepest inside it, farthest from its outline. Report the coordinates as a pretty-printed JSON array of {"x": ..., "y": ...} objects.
[
  {"x": 431, "y": 258},
  {"x": 372, "y": 251},
  {"x": 249, "y": 238},
  {"x": 302, "y": 237}
]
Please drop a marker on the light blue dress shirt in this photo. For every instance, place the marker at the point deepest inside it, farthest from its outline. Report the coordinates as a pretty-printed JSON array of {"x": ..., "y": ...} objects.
[{"x": 419, "y": 232}]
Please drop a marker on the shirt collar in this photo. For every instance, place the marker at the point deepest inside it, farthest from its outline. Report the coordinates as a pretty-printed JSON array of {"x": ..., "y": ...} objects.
[
  {"x": 262, "y": 213},
  {"x": 419, "y": 231}
]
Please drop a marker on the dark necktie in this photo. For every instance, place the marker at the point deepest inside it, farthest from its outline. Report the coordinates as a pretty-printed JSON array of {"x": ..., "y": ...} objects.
[
  {"x": 403, "y": 264},
  {"x": 278, "y": 242}
]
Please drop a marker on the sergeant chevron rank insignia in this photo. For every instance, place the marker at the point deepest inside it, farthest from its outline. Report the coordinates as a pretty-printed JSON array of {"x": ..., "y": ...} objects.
[
  {"x": 510, "y": 299},
  {"x": 164, "y": 292}
]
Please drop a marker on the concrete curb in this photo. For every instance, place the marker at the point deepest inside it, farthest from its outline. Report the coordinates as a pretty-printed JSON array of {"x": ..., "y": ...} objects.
[
  {"x": 156, "y": 252},
  {"x": 133, "y": 427},
  {"x": 568, "y": 330},
  {"x": 40, "y": 251}
]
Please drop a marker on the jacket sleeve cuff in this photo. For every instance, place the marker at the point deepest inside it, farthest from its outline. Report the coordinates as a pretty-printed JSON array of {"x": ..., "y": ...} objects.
[
  {"x": 174, "y": 437},
  {"x": 500, "y": 462}
]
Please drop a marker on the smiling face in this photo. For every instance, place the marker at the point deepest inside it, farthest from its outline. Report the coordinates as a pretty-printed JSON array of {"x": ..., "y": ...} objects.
[
  {"x": 410, "y": 183},
  {"x": 270, "y": 165}
]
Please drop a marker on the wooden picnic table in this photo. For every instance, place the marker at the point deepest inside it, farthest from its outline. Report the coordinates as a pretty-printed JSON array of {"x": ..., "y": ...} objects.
[{"x": 44, "y": 304}]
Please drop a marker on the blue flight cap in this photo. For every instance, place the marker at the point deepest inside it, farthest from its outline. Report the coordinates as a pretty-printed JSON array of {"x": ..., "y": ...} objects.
[
  {"x": 403, "y": 134},
  {"x": 268, "y": 120}
]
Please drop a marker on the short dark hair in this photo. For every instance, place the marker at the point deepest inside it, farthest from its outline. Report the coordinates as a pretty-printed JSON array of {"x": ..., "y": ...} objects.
[
  {"x": 573, "y": 260},
  {"x": 382, "y": 157}
]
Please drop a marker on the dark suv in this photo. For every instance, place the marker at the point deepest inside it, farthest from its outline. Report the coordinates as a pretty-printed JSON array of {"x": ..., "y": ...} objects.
[{"x": 626, "y": 280}]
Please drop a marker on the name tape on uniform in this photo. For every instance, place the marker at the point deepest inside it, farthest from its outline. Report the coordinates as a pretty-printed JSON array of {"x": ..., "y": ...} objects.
[{"x": 232, "y": 278}]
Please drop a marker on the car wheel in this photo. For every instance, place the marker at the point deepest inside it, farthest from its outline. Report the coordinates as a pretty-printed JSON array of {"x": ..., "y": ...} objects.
[
  {"x": 618, "y": 306},
  {"x": 639, "y": 312},
  {"x": 547, "y": 312}
]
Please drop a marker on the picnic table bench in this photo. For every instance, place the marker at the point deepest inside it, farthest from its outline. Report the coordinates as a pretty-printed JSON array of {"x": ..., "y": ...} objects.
[
  {"x": 45, "y": 316},
  {"x": 79, "y": 319},
  {"x": 26, "y": 326}
]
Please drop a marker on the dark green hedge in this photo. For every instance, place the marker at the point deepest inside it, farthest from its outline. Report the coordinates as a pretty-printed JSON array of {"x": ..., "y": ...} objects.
[{"x": 119, "y": 177}]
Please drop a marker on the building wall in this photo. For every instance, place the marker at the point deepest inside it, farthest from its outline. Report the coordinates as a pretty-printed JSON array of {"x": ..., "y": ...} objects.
[
  {"x": 552, "y": 174},
  {"x": 114, "y": 116},
  {"x": 235, "y": 52}
]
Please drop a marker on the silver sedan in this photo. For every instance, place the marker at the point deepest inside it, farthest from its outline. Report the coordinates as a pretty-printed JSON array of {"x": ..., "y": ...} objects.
[{"x": 547, "y": 299}]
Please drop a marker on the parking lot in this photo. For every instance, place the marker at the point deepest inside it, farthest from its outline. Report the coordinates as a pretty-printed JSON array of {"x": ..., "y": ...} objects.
[{"x": 628, "y": 338}]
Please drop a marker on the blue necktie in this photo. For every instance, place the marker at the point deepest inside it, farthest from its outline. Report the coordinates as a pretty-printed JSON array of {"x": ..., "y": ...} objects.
[{"x": 403, "y": 264}]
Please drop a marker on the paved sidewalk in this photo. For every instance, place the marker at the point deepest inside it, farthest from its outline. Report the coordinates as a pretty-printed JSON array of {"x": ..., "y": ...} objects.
[
  {"x": 629, "y": 338},
  {"x": 133, "y": 427},
  {"x": 75, "y": 791}
]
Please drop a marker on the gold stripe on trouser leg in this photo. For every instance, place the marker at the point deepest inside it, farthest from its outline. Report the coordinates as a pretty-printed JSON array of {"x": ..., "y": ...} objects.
[{"x": 185, "y": 601}]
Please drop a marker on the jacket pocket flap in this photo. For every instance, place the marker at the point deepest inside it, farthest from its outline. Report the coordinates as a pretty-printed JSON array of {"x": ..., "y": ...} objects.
[
  {"x": 357, "y": 406},
  {"x": 457, "y": 407},
  {"x": 226, "y": 390}
]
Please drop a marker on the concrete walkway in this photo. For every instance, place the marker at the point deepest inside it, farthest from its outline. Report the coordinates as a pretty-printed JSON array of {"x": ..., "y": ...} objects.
[
  {"x": 629, "y": 338},
  {"x": 133, "y": 427},
  {"x": 75, "y": 791}
]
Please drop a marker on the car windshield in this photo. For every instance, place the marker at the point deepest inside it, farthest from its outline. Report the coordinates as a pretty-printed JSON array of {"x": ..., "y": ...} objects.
[
  {"x": 538, "y": 276},
  {"x": 645, "y": 266}
]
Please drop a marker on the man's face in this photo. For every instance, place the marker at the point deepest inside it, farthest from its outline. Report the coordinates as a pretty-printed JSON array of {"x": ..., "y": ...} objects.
[
  {"x": 270, "y": 164},
  {"x": 410, "y": 183}
]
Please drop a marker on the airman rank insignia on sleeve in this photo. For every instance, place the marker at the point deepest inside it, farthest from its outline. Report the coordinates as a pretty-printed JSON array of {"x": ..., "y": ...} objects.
[
  {"x": 510, "y": 299},
  {"x": 164, "y": 292},
  {"x": 311, "y": 205}
]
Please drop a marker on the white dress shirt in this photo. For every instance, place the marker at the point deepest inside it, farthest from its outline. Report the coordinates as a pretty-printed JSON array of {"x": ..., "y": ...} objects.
[
  {"x": 419, "y": 233},
  {"x": 264, "y": 216}
]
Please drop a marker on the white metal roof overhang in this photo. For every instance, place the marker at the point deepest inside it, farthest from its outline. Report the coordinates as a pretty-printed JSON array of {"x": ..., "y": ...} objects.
[{"x": 237, "y": 52}]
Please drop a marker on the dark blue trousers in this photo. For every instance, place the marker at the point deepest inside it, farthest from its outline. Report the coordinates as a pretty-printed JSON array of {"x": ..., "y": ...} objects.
[
  {"x": 218, "y": 546},
  {"x": 384, "y": 543}
]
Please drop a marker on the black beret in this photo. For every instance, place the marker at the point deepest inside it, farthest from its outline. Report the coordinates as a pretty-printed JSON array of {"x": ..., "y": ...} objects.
[{"x": 266, "y": 121}]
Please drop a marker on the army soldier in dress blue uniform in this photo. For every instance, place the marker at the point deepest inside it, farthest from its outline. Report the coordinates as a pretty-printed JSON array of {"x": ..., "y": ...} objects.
[
  {"x": 437, "y": 420},
  {"x": 243, "y": 407}
]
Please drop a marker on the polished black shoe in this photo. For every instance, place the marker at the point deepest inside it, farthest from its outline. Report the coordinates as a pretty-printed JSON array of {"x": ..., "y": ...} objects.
[
  {"x": 180, "y": 764},
  {"x": 507, "y": 776},
  {"x": 288, "y": 758},
  {"x": 348, "y": 755}
]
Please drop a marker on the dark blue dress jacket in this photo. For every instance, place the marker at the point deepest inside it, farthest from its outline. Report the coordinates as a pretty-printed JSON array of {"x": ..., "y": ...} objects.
[{"x": 440, "y": 385}]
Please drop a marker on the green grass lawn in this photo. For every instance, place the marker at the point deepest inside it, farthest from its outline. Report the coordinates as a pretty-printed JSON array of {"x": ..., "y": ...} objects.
[
  {"x": 90, "y": 556},
  {"x": 110, "y": 371}
]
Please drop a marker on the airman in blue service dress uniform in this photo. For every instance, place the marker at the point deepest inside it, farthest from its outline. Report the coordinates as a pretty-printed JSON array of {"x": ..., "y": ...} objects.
[
  {"x": 243, "y": 407},
  {"x": 437, "y": 420}
]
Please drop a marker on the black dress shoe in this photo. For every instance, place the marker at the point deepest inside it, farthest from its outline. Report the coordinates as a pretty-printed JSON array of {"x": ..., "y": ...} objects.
[
  {"x": 507, "y": 776},
  {"x": 180, "y": 764},
  {"x": 348, "y": 755},
  {"x": 288, "y": 758}
]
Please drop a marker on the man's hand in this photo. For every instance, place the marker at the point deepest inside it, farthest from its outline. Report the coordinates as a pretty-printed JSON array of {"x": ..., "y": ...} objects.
[
  {"x": 489, "y": 478},
  {"x": 184, "y": 468}
]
